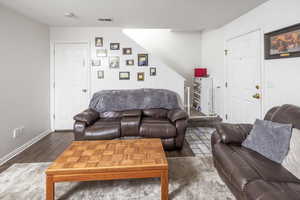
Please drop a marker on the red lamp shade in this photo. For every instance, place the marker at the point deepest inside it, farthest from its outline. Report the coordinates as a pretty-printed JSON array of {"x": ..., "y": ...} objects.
[{"x": 200, "y": 72}]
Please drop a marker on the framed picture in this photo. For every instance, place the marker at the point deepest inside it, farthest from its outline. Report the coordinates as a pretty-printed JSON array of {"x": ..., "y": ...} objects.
[
  {"x": 124, "y": 75},
  {"x": 98, "y": 42},
  {"x": 142, "y": 60},
  {"x": 101, "y": 52},
  {"x": 114, "y": 46},
  {"x": 152, "y": 71},
  {"x": 96, "y": 63},
  {"x": 130, "y": 62},
  {"x": 114, "y": 62},
  {"x": 283, "y": 43},
  {"x": 140, "y": 76},
  {"x": 100, "y": 74},
  {"x": 127, "y": 51}
]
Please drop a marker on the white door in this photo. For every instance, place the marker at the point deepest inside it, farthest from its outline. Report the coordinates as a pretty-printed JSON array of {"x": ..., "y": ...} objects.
[
  {"x": 243, "y": 103},
  {"x": 71, "y": 82}
]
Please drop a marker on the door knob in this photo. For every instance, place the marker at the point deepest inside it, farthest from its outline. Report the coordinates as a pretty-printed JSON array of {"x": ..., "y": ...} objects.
[
  {"x": 257, "y": 87},
  {"x": 84, "y": 90},
  {"x": 256, "y": 96}
]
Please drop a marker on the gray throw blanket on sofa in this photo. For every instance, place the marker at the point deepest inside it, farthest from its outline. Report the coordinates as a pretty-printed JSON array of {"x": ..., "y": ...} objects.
[{"x": 118, "y": 100}]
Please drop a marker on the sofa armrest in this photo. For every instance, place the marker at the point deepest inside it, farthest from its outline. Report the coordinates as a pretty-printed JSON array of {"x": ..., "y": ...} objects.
[
  {"x": 177, "y": 114},
  {"x": 79, "y": 130},
  {"x": 231, "y": 133},
  {"x": 88, "y": 116},
  {"x": 181, "y": 126}
]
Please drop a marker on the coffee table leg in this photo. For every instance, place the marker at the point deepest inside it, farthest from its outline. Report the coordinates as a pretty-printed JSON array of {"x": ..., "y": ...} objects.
[
  {"x": 164, "y": 182},
  {"x": 50, "y": 189}
]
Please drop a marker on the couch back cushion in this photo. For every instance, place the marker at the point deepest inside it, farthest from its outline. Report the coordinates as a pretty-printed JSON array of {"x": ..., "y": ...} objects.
[
  {"x": 287, "y": 114},
  {"x": 156, "y": 113},
  {"x": 111, "y": 114}
]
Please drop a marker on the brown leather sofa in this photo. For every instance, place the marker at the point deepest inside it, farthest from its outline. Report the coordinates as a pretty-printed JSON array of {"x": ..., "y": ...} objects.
[
  {"x": 169, "y": 125},
  {"x": 249, "y": 175}
]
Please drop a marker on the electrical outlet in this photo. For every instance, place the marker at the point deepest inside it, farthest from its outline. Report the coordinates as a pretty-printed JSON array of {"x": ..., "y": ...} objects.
[{"x": 18, "y": 131}]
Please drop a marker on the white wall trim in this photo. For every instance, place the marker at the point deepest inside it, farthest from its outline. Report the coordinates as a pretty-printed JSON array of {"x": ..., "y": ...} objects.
[{"x": 24, "y": 147}]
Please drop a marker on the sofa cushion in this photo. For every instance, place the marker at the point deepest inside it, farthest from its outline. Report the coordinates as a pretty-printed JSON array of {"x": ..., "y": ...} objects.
[
  {"x": 159, "y": 129},
  {"x": 292, "y": 161},
  {"x": 236, "y": 169},
  {"x": 102, "y": 132},
  {"x": 108, "y": 122},
  {"x": 270, "y": 139},
  {"x": 112, "y": 114},
  {"x": 131, "y": 113},
  {"x": 156, "y": 113},
  {"x": 130, "y": 126},
  {"x": 242, "y": 165},
  {"x": 154, "y": 120},
  {"x": 262, "y": 190}
]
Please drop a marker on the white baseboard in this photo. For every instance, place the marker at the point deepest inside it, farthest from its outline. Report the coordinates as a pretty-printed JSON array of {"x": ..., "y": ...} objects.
[{"x": 24, "y": 147}]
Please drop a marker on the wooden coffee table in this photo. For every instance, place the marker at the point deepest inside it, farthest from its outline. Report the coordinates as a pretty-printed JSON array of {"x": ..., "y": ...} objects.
[{"x": 109, "y": 160}]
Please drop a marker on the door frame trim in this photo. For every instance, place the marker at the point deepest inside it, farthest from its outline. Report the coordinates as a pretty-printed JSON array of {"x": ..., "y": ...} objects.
[
  {"x": 52, "y": 74},
  {"x": 261, "y": 70}
]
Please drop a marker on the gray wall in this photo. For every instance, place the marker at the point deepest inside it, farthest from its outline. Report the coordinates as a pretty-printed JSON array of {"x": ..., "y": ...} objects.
[{"x": 24, "y": 79}]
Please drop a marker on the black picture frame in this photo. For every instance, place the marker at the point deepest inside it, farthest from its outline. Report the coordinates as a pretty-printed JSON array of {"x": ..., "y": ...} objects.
[
  {"x": 127, "y": 51},
  {"x": 130, "y": 62},
  {"x": 143, "y": 60},
  {"x": 152, "y": 71},
  {"x": 98, "y": 41},
  {"x": 140, "y": 76},
  {"x": 285, "y": 43},
  {"x": 124, "y": 75},
  {"x": 114, "y": 46}
]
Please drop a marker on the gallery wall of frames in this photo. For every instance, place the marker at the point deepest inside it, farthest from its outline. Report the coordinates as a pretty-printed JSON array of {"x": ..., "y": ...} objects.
[
  {"x": 116, "y": 56},
  {"x": 118, "y": 62}
]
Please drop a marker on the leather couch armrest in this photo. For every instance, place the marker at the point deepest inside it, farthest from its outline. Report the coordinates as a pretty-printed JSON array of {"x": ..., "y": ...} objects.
[
  {"x": 181, "y": 126},
  {"x": 231, "y": 133},
  {"x": 88, "y": 116},
  {"x": 79, "y": 130},
  {"x": 177, "y": 114}
]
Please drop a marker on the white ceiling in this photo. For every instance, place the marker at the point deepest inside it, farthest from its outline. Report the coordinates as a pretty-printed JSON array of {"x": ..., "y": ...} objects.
[{"x": 174, "y": 14}]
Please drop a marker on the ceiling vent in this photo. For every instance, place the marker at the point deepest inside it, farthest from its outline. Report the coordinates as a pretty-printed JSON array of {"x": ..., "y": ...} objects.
[
  {"x": 70, "y": 15},
  {"x": 105, "y": 19}
]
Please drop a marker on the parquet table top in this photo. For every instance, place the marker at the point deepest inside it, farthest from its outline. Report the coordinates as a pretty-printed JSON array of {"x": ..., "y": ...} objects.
[{"x": 110, "y": 156}]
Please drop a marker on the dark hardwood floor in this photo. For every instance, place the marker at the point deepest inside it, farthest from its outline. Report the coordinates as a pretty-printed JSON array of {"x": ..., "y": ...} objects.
[{"x": 51, "y": 146}]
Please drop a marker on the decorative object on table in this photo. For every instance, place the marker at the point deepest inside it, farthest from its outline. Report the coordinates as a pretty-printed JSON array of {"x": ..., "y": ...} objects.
[
  {"x": 96, "y": 63},
  {"x": 124, "y": 75},
  {"x": 114, "y": 62},
  {"x": 100, "y": 74},
  {"x": 152, "y": 71},
  {"x": 130, "y": 62},
  {"x": 142, "y": 60},
  {"x": 101, "y": 52},
  {"x": 114, "y": 46},
  {"x": 200, "y": 72},
  {"x": 140, "y": 76},
  {"x": 98, "y": 42},
  {"x": 283, "y": 43},
  {"x": 127, "y": 51}
]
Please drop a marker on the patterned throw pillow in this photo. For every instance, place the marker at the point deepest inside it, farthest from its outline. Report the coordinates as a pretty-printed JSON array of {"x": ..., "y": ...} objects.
[
  {"x": 292, "y": 160},
  {"x": 270, "y": 139}
]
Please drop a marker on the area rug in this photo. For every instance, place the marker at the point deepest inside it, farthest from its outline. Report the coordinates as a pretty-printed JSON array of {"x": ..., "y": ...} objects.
[
  {"x": 190, "y": 178},
  {"x": 199, "y": 140}
]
